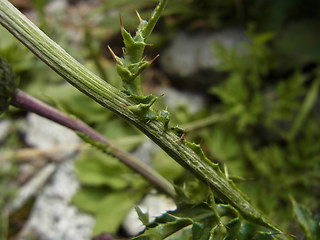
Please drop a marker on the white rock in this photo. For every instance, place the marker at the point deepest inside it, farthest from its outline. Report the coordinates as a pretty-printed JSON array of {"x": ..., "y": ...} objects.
[
  {"x": 155, "y": 205},
  {"x": 189, "y": 54},
  {"x": 31, "y": 187},
  {"x": 145, "y": 150},
  {"x": 53, "y": 216},
  {"x": 175, "y": 99},
  {"x": 45, "y": 134},
  {"x": 4, "y": 128},
  {"x": 55, "y": 7}
]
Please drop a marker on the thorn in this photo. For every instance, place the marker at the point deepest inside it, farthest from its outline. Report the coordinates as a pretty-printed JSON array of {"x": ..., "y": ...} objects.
[
  {"x": 154, "y": 58},
  {"x": 113, "y": 54},
  {"x": 124, "y": 50},
  {"x": 181, "y": 138},
  {"x": 226, "y": 171},
  {"x": 162, "y": 96},
  {"x": 120, "y": 20},
  {"x": 140, "y": 19},
  {"x": 148, "y": 44}
]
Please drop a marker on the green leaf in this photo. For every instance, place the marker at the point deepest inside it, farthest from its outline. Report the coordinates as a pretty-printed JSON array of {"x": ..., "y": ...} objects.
[
  {"x": 164, "y": 226},
  {"x": 205, "y": 224},
  {"x": 164, "y": 165},
  {"x": 122, "y": 134},
  {"x": 309, "y": 225},
  {"x": 15, "y": 53},
  {"x": 97, "y": 169},
  {"x": 87, "y": 198},
  {"x": 222, "y": 144},
  {"x": 232, "y": 90},
  {"x": 143, "y": 217},
  {"x": 306, "y": 107},
  {"x": 109, "y": 208},
  {"x": 219, "y": 233},
  {"x": 112, "y": 210}
]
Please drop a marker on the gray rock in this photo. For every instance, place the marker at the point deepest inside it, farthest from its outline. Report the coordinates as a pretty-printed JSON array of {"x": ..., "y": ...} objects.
[
  {"x": 53, "y": 217},
  {"x": 31, "y": 187},
  {"x": 174, "y": 99},
  {"x": 4, "y": 129},
  {"x": 190, "y": 59},
  {"x": 55, "y": 7},
  {"x": 45, "y": 134},
  {"x": 155, "y": 205},
  {"x": 145, "y": 150}
]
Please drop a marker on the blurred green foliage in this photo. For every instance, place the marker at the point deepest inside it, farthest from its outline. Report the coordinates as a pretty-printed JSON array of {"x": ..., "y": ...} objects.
[
  {"x": 109, "y": 190},
  {"x": 269, "y": 132},
  {"x": 308, "y": 223}
]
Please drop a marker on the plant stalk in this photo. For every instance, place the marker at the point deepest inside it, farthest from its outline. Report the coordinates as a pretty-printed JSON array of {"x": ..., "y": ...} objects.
[
  {"x": 106, "y": 95},
  {"x": 26, "y": 102}
]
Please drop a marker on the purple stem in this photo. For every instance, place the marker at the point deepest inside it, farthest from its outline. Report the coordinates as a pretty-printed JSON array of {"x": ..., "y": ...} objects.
[{"x": 27, "y": 102}]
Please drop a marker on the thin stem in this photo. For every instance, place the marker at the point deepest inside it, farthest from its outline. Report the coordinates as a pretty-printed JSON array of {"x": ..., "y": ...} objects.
[
  {"x": 204, "y": 122},
  {"x": 26, "y": 102},
  {"x": 106, "y": 95},
  {"x": 305, "y": 108}
]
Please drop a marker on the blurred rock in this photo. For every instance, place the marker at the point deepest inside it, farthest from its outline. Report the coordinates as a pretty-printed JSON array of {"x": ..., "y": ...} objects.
[
  {"x": 194, "y": 102},
  {"x": 145, "y": 150},
  {"x": 190, "y": 59},
  {"x": 4, "y": 129},
  {"x": 55, "y": 7},
  {"x": 31, "y": 187},
  {"x": 45, "y": 134},
  {"x": 53, "y": 217},
  {"x": 155, "y": 205}
]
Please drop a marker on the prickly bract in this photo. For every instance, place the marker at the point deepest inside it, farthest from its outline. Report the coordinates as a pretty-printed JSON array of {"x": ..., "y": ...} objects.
[
  {"x": 164, "y": 116},
  {"x": 143, "y": 109},
  {"x": 198, "y": 150},
  {"x": 132, "y": 63}
]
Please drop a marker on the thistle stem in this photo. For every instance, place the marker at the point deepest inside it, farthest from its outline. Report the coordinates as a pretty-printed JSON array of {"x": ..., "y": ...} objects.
[
  {"x": 26, "y": 102},
  {"x": 106, "y": 95}
]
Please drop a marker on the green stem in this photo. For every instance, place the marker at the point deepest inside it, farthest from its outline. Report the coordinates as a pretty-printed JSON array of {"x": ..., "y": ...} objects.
[
  {"x": 106, "y": 95},
  {"x": 204, "y": 122},
  {"x": 154, "y": 19},
  {"x": 306, "y": 107}
]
